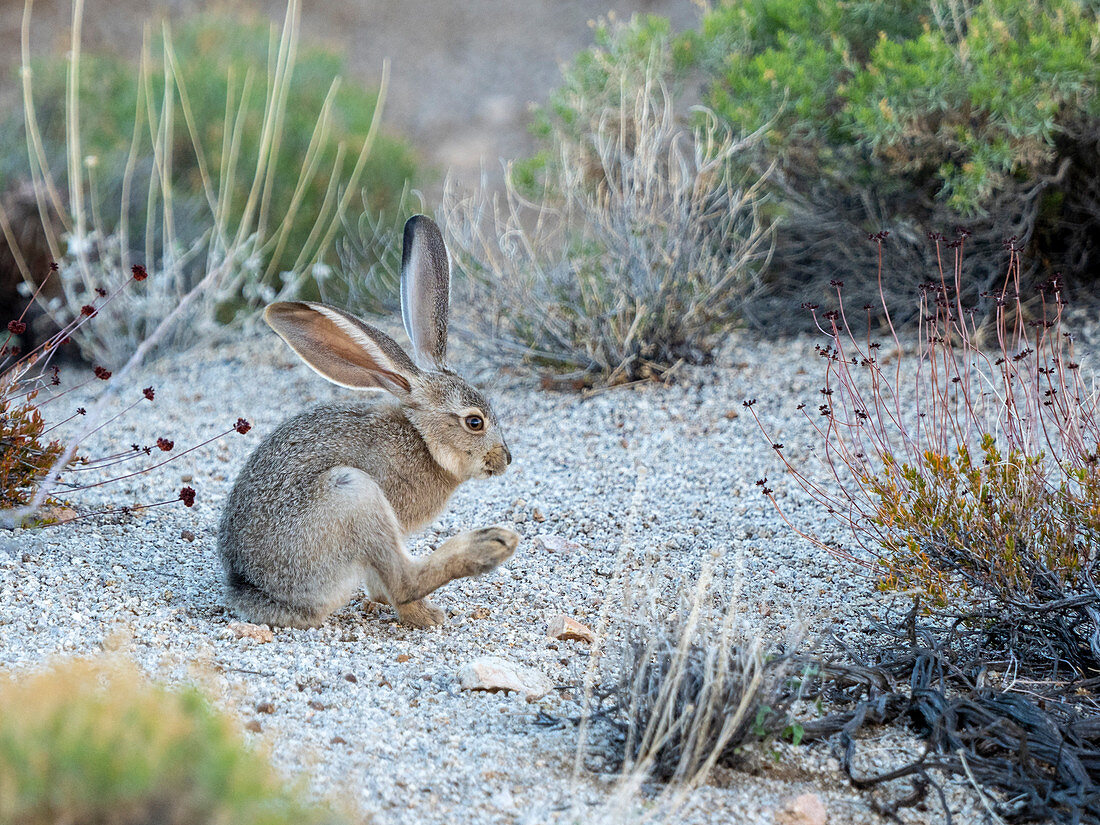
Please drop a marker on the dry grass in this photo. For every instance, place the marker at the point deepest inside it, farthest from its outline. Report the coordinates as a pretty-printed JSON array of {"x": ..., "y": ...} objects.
[
  {"x": 679, "y": 680},
  {"x": 637, "y": 253},
  {"x": 221, "y": 265}
]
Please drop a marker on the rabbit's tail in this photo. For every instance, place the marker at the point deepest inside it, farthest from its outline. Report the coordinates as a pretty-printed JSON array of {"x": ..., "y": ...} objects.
[{"x": 254, "y": 605}]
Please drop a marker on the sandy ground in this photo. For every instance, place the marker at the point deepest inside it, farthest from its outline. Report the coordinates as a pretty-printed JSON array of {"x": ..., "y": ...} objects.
[{"x": 648, "y": 481}]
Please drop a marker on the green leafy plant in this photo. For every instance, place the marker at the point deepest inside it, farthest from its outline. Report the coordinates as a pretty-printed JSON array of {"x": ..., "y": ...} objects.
[
  {"x": 992, "y": 521},
  {"x": 916, "y": 116},
  {"x": 95, "y": 742}
]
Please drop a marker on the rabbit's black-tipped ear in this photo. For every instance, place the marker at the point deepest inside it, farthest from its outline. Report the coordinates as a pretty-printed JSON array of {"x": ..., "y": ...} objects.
[
  {"x": 342, "y": 348},
  {"x": 425, "y": 291}
]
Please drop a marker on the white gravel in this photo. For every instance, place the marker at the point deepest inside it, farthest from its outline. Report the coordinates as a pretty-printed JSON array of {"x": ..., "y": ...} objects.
[{"x": 365, "y": 708}]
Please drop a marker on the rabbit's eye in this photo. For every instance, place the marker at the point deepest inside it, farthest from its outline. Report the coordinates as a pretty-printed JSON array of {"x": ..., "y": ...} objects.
[{"x": 474, "y": 422}]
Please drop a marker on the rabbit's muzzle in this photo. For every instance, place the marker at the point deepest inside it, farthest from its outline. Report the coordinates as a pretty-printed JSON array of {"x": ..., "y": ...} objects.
[{"x": 497, "y": 459}]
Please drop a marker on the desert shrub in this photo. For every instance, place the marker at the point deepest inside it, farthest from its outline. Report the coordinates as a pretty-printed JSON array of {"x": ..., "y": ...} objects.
[
  {"x": 692, "y": 683},
  {"x": 34, "y": 456},
  {"x": 963, "y": 460},
  {"x": 686, "y": 703},
  {"x": 988, "y": 519},
  {"x": 226, "y": 158},
  {"x": 967, "y": 473},
  {"x": 26, "y": 454},
  {"x": 629, "y": 251},
  {"x": 915, "y": 116},
  {"x": 95, "y": 743},
  {"x": 215, "y": 62}
]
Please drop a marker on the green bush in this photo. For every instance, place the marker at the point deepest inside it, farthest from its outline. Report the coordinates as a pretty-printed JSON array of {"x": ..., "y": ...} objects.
[
  {"x": 222, "y": 66},
  {"x": 916, "y": 116},
  {"x": 911, "y": 116},
  {"x": 92, "y": 743}
]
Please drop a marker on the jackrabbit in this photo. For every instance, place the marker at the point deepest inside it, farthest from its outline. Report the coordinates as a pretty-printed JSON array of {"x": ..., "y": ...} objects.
[{"x": 325, "y": 503}]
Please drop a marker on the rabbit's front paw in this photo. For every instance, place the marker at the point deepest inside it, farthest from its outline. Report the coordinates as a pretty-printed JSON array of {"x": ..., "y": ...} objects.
[{"x": 488, "y": 547}]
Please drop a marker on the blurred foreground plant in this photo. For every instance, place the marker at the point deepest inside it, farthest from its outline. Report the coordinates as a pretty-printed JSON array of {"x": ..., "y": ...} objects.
[{"x": 93, "y": 742}]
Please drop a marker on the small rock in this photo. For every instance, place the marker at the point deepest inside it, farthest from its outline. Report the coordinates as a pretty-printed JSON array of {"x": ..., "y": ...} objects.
[
  {"x": 479, "y": 613},
  {"x": 404, "y": 657},
  {"x": 253, "y": 725},
  {"x": 493, "y": 674},
  {"x": 257, "y": 632},
  {"x": 537, "y": 515},
  {"x": 351, "y": 677},
  {"x": 566, "y": 629},
  {"x": 338, "y": 740},
  {"x": 187, "y": 535},
  {"x": 265, "y": 707},
  {"x": 807, "y": 809},
  {"x": 187, "y": 477},
  {"x": 313, "y": 703},
  {"x": 556, "y": 544},
  {"x": 56, "y": 515}
]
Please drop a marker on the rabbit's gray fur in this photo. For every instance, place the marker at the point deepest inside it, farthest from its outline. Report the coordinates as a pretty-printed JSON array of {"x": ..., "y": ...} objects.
[{"x": 325, "y": 503}]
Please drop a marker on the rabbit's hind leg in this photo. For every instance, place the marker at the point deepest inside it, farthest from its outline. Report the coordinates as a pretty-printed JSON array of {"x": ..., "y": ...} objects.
[
  {"x": 391, "y": 573},
  {"x": 377, "y": 536}
]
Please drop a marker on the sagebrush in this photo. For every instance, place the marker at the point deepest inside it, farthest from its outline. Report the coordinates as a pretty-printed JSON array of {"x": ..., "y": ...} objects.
[{"x": 637, "y": 252}]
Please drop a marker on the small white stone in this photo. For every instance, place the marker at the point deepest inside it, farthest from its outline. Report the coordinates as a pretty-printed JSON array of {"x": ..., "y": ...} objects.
[
  {"x": 556, "y": 544},
  {"x": 567, "y": 629},
  {"x": 259, "y": 633},
  {"x": 807, "y": 809},
  {"x": 493, "y": 674}
]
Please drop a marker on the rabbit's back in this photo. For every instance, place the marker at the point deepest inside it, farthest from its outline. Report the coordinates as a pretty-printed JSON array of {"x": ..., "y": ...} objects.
[{"x": 282, "y": 481}]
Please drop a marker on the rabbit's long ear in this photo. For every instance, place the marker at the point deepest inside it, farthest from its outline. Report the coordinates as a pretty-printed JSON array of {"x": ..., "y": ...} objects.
[
  {"x": 342, "y": 348},
  {"x": 425, "y": 290}
]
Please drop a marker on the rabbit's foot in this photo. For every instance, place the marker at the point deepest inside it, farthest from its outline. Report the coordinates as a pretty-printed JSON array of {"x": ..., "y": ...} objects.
[
  {"x": 421, "y": 613},
  {"x": 479, "y": 551}
]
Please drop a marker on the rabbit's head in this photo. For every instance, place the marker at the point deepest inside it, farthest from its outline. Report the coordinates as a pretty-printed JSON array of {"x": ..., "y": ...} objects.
[{"x": 454, "y": 419}]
